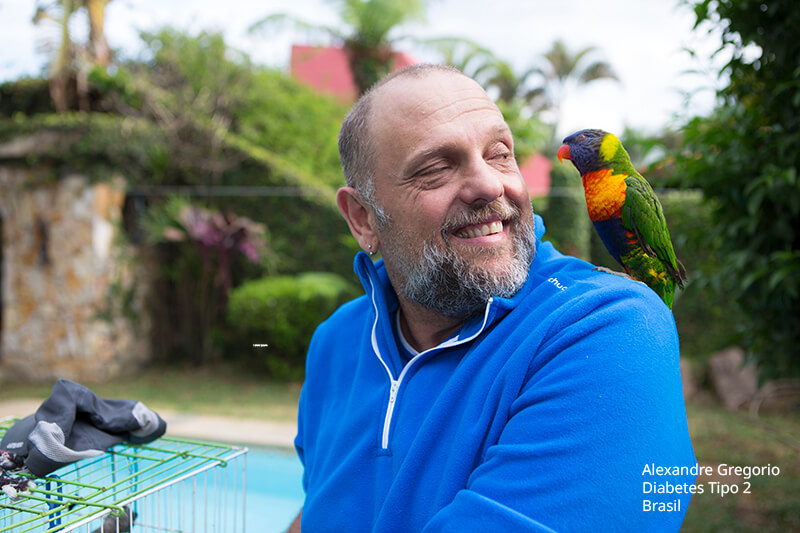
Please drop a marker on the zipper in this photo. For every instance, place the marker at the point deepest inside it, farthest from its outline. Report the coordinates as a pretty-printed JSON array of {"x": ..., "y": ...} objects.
[
  {"x": 393, "y": 389},
  {"x": 387, "y": 421},
  {"x": 395, "y": 383},
  {"x": 394, "y": 386}
]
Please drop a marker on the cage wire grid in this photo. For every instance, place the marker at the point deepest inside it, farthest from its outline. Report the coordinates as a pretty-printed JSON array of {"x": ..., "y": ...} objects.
[{"x": 168, "y": 485}]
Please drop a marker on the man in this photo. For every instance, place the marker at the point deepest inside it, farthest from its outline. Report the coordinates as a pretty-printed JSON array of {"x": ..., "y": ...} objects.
[{"x": 484, "y": 382}]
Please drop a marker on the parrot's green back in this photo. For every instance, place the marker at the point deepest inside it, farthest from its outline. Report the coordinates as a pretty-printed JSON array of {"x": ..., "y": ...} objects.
[{"x": 652, "y": 258}]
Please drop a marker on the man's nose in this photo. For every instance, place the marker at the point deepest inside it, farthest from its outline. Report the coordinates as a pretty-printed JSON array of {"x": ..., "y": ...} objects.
[{"x": 482, "y": 184}]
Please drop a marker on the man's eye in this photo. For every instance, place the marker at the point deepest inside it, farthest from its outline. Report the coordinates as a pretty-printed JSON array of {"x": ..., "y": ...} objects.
[
  {"x": 433, "y": 169},
  {"x": 499, "y": 151}
]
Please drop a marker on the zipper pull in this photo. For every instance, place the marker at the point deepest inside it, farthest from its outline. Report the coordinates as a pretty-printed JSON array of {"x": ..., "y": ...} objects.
[{"x": 389, "y": 410}]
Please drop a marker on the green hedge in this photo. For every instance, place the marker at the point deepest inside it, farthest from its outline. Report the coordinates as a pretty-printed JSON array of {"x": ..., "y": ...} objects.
[
  {"x": 271, "y": 320},
  {"x": 26, "y": 96}
]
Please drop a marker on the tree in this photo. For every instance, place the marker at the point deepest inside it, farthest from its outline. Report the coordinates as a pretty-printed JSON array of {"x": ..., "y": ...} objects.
[
  {"x": 366, "y": 38},
  {"x": 563, "y": 70},
  {"x": 542, "y": 87},
  {"x": 61, "y": 68},
  {"x": 545, "y": 85},
  {"x": 194, "y": 117},
  {"x": 225, "y": 124},
  {"x": 511, "y": 85},
  {"x": 744, "y": 157},
  {"x": 98, "y": 45},
  {"x": 466, "y": 55},
  {"x": 72, "y": 62}
]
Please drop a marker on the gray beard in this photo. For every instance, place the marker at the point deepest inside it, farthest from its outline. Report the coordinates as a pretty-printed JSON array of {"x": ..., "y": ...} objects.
[{"x": 445, "y": 282}]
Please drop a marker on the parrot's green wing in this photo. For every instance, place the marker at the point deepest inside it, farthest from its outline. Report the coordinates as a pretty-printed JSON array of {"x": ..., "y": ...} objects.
[{"x": 643, "y": 215}]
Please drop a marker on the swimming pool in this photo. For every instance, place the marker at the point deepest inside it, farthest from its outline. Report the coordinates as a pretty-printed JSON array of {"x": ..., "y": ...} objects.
[{"x": 274, "y": 491}]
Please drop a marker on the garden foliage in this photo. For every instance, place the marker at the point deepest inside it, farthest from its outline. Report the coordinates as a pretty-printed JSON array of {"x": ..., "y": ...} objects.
[
  {"x": 234, "y": 138},
  {"x": 271, "y": 320},
  {"x": 745, "y": 159}
]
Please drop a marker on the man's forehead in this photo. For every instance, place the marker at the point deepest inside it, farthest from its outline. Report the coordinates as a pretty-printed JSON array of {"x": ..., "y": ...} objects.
[{"x": 420, "y": 96}]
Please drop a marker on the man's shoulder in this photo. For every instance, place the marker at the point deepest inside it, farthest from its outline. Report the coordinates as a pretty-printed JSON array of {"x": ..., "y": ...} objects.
[
  {"x": 566, "y": 273},
  {"x": 575, "y": 315},
  {"x": 572, "y": 288}
]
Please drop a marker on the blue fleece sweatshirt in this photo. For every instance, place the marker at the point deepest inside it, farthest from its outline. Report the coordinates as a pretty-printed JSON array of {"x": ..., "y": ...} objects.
[{"x": 552, "y": 411}]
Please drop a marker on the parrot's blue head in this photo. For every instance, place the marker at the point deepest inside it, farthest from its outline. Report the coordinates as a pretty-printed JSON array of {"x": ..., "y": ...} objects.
[{"x": 589, "y": 150}]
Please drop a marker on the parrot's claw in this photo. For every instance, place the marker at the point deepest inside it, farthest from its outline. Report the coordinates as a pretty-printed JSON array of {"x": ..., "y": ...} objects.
[
  {"x": 609, "y": 271},
  {"x": 616, "y": 273}
]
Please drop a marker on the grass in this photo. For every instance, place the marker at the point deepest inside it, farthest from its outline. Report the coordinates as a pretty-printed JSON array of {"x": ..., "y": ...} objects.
[
  {"x": 718, "y": 436},
  {"x": 217, "y": 391}
]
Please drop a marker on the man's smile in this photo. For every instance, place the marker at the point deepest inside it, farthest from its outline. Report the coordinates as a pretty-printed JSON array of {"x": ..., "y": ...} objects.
[{"x": 482, "y": 229}]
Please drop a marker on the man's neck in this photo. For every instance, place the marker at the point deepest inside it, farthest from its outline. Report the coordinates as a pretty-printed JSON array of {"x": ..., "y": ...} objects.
[{"x": 423, "y": 328}]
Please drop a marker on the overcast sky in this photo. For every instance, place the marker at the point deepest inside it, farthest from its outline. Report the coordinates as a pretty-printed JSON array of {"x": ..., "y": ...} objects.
[{"x": 644, "y": 40}]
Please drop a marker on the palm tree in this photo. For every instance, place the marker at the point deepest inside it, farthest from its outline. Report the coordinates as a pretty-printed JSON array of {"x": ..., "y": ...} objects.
[
  {"x": 512, "y": 86},
  {"x": 71, "y": 62},
  {"x": 98, "y": 46},
  {"x": 555, "y": 74},
  {"x": 61, "y": 69},
  {"x": 466, "y": 55},
  {"x": 366, "y": 38},
  {"x": 561, "y": 72}
]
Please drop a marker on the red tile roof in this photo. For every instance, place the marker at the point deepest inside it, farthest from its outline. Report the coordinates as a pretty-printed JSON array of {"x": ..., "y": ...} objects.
[
  {"x": 326, "y": 69},
  {"x": 536, "y": 172}
]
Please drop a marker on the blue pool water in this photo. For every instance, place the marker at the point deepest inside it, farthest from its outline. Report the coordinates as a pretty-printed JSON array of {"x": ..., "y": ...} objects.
[{"x": 274, "y": 489}]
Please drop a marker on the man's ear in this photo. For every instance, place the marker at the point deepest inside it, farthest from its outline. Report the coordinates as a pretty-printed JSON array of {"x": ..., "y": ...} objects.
[{"x": 359, "y": 218}]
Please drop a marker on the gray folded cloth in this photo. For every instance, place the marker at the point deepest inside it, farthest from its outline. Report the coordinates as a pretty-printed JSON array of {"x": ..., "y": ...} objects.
[{"x": 73, "y": 423}]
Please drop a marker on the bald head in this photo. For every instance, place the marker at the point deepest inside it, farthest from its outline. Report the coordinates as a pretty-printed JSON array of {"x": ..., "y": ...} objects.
[{"x": 356, "y": 140}]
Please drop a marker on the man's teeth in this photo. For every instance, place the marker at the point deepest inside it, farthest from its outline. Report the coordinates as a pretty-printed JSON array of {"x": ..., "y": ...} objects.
[{"x": 480, "y": 231}]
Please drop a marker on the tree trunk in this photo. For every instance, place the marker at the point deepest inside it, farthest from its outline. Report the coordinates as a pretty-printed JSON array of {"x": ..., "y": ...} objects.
[{"x": 98, "y": 45}]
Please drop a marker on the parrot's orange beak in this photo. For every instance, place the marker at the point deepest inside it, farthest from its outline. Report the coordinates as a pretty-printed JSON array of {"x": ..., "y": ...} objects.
[{"x": 563, "y": 153}]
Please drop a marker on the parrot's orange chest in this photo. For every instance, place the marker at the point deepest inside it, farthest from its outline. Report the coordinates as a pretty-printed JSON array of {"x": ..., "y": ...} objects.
[{"x": 605, "y": 193}]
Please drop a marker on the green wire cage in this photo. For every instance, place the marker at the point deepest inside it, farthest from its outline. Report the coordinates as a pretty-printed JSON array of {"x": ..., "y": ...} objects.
[{"x": 170, "y": 484}]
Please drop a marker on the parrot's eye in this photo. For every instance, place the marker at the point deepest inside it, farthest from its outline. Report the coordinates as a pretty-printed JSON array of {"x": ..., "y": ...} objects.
[{"x": 580, "y": 138}]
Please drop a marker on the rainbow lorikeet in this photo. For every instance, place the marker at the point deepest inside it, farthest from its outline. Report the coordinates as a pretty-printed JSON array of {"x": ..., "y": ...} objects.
[{"x": 625, "y": 211}]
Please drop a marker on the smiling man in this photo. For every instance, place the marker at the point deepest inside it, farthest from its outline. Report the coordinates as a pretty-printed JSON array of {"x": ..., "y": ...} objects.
[
  {"x": 484, "y": 382},
  {"x": 455, "y": 224}
]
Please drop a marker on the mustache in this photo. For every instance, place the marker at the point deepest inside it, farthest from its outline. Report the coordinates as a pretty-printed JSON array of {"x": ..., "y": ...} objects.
[{"x": 497, "y": 209}]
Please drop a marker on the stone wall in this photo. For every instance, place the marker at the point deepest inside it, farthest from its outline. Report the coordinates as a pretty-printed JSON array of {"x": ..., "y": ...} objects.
[{"x": 71, "y": 289}]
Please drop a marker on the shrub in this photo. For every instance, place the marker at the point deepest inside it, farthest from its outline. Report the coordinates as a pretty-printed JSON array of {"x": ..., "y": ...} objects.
[
  {"x": 27, "y": 96},
  {"x": 707, "y": 319},
  {"x": 745, "y": 159},
  {"x": 272, "y": 319}
]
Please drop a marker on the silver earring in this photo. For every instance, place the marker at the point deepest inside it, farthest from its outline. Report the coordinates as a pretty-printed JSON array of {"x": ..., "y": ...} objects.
[{"x": 369, "y": 247}]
